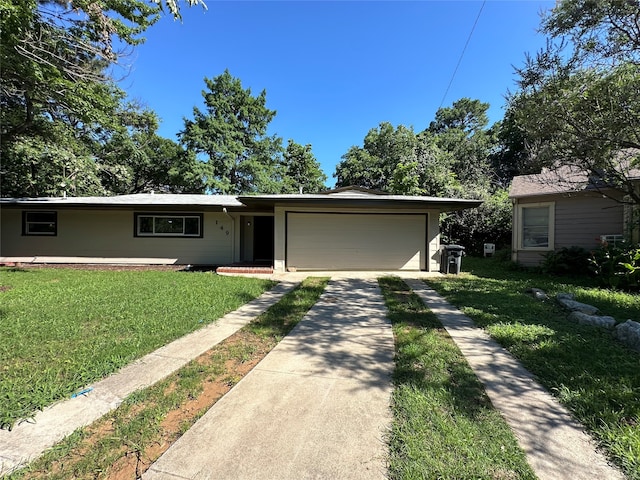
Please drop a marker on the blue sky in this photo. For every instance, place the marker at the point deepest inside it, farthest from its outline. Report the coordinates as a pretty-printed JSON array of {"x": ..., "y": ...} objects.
[{"x": 334, "y": 70}]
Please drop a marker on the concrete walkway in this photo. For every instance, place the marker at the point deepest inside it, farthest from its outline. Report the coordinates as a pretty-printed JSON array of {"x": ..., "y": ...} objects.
[
  {"x": 556, "y": 446},
  {"x": 317, "y": 406},
  {"x": 30, "y": 439}
]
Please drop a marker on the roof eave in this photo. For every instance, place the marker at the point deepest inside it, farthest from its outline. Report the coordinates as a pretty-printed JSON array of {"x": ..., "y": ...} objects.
[{"x": 355, "y": 202}]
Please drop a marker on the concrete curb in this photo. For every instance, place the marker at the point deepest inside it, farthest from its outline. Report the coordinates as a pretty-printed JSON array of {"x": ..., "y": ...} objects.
[
  {"x": 29, "y": 439},
  {"x": 555, "y": 444}
]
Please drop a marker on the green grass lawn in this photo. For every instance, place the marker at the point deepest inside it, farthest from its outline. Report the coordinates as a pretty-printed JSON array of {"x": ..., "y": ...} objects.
[
  {"x": 596, "y": 377},
  {"x": 127, "y": 440},
  {"x": 444, "y": 424},
  {"x": 64, "y": 328}
]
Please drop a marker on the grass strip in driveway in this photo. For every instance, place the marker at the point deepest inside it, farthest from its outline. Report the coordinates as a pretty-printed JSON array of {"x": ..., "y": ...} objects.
[
  {"x": 62, "y": 329},
  {"x": 444, "y": 424},
  {"x": 124, "y": 443},
  {"x": 591, "y": 374}
]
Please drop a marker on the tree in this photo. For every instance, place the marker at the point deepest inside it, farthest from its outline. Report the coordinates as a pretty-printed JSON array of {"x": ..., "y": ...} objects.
[
  {"x": 461, "y": 130},
  {"x": 53, "y": 163},
  {"x": 57, "y": 99},
  {"x": 489, "y": 223},
  {"x": 603, "y": 32},
  {"x": 232, "y": 133},
  {"x": 373, "y": 164},
  {"x": 451, "y": 158},
  {"x": 302, "y": 171},
  {"x": 135, "y": 159},
  {"x": 440, "y": 161},
  {"x": 55, "y": 58},
  {"x": 578, "y": 105}
]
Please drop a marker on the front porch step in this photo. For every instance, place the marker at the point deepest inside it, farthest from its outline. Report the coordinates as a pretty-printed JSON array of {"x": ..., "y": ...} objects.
[{"x": 244, "y": 269}]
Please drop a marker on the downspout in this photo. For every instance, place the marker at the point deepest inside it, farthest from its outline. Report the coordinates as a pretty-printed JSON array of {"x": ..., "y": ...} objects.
[{"x": 233, "y": 234}]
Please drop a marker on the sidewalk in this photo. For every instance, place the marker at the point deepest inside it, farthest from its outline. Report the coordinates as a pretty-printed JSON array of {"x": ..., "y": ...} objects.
[
  {"x": 29, "y": 439},
  {"x": 556, "y": 446},
  {"x": 317, "y": 406}
]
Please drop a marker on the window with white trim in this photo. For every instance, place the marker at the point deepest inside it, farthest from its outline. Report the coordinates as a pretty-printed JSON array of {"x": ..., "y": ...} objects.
[
  {"x": 168, "y": 225},
  {"x": 40, "y": 223},
  {"x": 536, "y": 226}
]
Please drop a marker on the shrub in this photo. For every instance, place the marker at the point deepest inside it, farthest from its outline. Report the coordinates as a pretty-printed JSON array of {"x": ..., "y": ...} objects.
[
  {"x": 489, "y": 223},
  {"x": 617, "y": 266},
  {"x": 567, "y": 261}
]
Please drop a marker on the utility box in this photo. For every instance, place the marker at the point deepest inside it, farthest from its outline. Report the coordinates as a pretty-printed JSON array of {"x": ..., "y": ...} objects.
[
  {"x": 489, "y": 249},
  {"x": 451, "y": 259}
]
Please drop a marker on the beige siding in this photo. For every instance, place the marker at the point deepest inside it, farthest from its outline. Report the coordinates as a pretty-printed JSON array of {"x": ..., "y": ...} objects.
[
  {"x": 433, "y": 234},
  {"x": 279, "y": 239},
  {"x": 110, "y": 234},
  {"x": 353, "y": 241}
]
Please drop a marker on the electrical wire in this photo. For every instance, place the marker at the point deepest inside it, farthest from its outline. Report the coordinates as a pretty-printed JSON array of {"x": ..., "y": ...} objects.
[{"x": 462, "y": 55}]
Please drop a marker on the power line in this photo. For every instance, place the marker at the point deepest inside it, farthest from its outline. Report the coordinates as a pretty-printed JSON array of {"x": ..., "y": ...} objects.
[{"x": 462, "y": 55}]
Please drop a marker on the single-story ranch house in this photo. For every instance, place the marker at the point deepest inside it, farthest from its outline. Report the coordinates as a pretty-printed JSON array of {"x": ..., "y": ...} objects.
[
  {"x": 343, "y": 229},
  {"x": 562, "y": 208}
]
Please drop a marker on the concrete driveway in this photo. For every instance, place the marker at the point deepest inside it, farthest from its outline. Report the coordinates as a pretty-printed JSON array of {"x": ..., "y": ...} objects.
[{"x": 316, "y": 407}]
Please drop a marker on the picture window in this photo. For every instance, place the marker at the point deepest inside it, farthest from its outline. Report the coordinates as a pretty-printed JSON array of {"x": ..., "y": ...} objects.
[{"x": 162, "y": 225}]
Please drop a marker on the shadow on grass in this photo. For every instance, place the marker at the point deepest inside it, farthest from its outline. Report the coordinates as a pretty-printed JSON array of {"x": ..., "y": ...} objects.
[
  {"x": 583, "y": 366},
  {"x": 444, "y": 423},
  {"x": 426, "y": 357}
]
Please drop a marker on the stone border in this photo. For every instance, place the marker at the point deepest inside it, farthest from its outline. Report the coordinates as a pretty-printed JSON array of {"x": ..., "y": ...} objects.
[{"x": 627, "y": 333}]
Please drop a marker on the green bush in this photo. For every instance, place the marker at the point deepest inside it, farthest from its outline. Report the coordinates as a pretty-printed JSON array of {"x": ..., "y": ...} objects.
[
  {"x": 617, "y": 266},
  {"x": 489, "y": 223},
  {"x": 567, "y": 261}
]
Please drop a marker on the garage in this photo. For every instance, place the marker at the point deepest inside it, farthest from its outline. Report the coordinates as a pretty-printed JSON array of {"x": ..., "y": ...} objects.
[{"x": 356, "y": 241}]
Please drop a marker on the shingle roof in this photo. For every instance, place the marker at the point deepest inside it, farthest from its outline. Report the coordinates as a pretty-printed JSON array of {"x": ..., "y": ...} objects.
[
  {"x": 562, "y": 180},
  {"x": 571, "y": 178},
  {"x": 357, "y": 197},
  {"x": 547, "y": 183},
  {"x": 139, "y": 199}
]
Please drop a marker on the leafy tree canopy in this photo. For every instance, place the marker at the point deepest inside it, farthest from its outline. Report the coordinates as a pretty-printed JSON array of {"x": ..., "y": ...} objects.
[
  {"x": 578, "y": 102},
  {"x": 232, "y": 133},
  {"x": 451, "y": 158},
  {"x": 59, "y": 109},
  {"x": 602, "y": 32},
  {"x": 302, "y": 172}
]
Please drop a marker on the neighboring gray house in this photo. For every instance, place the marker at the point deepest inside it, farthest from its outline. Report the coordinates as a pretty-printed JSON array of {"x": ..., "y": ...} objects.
[
  {"x": 343, "y": 229},
  {"x": 556, "y": 209}
]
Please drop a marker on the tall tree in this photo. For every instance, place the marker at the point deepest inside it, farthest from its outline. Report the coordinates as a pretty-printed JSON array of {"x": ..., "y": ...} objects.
[
  {"x": 135, "y": 159},
  {"x": 578, "y": 105},
  {"x": 448, "y": 159},
  {"x": 373, "y": 164},
  {"x": 57, "y": 100},
  {"x": 461, "y": 130},
  {"x": 232, "y": 133},
  {"x": 55, "y": 55},
  {"x": 52, "y": 163},
  {"x": 302, "y": 172}
]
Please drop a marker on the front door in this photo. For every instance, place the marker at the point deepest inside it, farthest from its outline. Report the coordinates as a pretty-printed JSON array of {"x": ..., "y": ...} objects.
[{"x": 263, "y": 239}]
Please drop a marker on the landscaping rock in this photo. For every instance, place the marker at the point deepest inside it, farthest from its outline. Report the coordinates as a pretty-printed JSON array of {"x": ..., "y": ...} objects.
[
  {"x": 586, "y": 319},
  {"x": 567, "y": 296},
  {"x": 538, "y": 294},
  {"x": 629, "y": 334},
  {"x": 567, "y": 301}
]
